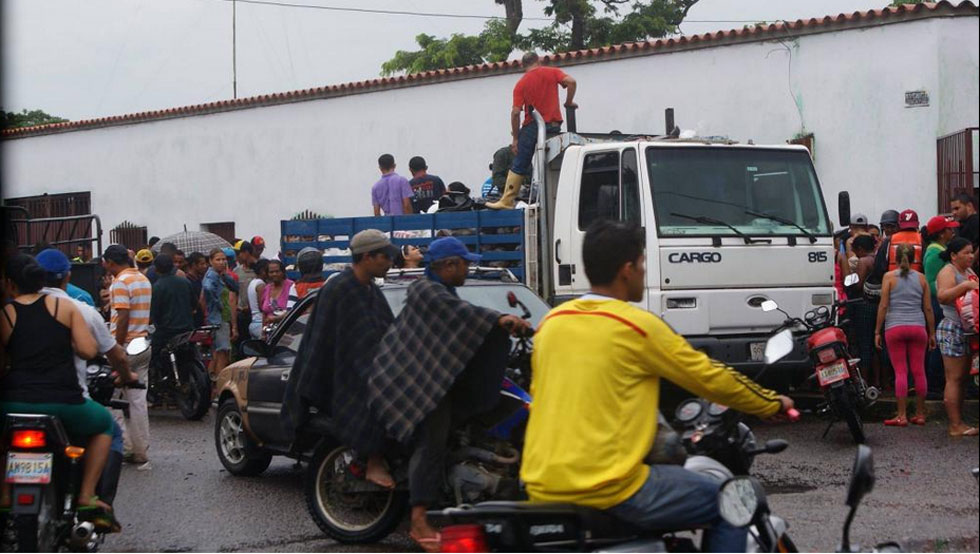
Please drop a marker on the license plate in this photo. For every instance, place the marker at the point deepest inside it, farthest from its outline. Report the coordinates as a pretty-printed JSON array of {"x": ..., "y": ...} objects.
[
  {"x": 832, "y": 373},
  {"x": 757, "y": 351},
  {"x": 23, "y": 467}
]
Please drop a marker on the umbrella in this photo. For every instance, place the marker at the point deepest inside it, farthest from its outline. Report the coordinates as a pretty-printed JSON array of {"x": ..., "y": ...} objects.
[{"x": 194, "y": 241}]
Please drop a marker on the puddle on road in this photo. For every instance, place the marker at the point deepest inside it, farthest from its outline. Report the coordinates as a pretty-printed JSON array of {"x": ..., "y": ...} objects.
[{"x": 786, "y": 488}]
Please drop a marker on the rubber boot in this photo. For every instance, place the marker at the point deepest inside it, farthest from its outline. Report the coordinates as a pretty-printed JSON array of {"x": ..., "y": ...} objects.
[
  {"x": 110, "y": 477},
  {"x": 511, "y": 189}
]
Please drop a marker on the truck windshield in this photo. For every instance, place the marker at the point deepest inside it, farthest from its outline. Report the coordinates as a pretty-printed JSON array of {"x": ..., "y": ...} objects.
[{"x": 729, "y": 184}]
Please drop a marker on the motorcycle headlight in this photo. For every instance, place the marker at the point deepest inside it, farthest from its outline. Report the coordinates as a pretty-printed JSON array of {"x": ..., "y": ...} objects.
[{"x": 738, "y": 501}]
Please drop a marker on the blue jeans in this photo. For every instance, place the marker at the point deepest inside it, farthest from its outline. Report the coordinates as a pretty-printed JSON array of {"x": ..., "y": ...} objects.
[
  {"x": 526, "y": 141},
  {"x": 117, "y": 438},
  {"x": 673, "y": 498}
]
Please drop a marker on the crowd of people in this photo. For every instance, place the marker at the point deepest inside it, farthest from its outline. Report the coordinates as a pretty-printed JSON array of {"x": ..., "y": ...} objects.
[
  {"x": 913, "y": 312},
  {"x": 510, "y": 169}
]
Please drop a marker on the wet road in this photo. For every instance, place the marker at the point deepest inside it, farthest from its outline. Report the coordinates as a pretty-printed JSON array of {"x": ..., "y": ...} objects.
[{"x": 924, "y": 497}]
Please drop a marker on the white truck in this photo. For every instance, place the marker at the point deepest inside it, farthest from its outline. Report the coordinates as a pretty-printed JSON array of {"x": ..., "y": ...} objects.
[{"x": 728, "y": 226}]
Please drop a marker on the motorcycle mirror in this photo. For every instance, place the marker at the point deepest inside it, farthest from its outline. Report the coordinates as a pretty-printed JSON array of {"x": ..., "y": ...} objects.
[
  {"x": 770, "y": 306},
  {"x": 137, "y": 346},
  {"x": 512, "y": 299},
  {"x": 779, "y": 346},
  {"x": 254, "y": 348},
  {"x": 851, "y": 279},
  {"x": 862, "y": 476},
  {"x": 776, "y": 446}
]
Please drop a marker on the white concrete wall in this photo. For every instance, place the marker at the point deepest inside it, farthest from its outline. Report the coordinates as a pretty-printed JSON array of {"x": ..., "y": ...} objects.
[{"x": 260, "y": 165}]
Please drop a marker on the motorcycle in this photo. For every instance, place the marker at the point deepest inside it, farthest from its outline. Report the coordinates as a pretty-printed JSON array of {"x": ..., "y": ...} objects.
[
  {"x": 44, "y": 471},
  {"x": 706, "y": 438},
  {"x": 179, "y": 373},
  {"x": 845, "y": 392},
  {"x": 483, "y": 460}
]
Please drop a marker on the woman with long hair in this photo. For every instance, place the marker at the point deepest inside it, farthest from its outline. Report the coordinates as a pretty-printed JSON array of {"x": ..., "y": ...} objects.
[
  {"x": 905, "y": 320},
  {"x": 953, "y": 281},
  {"x": 40, "y": 337}
]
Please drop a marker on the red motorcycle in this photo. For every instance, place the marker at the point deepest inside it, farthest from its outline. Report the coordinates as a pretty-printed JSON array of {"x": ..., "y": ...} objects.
[{"x": 846, "y": 394}]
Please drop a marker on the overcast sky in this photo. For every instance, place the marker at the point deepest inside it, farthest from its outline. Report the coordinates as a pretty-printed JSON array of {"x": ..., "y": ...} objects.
[{"x": 80, "y": 59}]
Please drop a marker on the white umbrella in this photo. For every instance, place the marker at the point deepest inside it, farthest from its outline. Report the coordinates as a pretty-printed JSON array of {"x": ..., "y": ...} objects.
[{"x": 194, "y": 241}]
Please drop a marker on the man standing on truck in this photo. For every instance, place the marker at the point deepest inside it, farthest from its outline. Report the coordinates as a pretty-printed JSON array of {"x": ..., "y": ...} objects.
[
  {"x": 391, "y": 194},
  {"x": 537, "y": 90},
  {"x": 427, "y": 188}
]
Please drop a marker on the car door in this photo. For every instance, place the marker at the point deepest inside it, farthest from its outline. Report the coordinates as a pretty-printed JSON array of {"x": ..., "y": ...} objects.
[{"x": 269, "y": 375}]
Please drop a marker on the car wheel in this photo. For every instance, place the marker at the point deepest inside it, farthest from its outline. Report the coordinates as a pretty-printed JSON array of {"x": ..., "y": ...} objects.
[{"x": 232, "y": 443}]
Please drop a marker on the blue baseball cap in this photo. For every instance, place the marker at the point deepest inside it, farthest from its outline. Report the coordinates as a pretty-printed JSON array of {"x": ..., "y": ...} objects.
[
  {"x": 54, "y": 262},
  {"x": 450, "y": 247}
]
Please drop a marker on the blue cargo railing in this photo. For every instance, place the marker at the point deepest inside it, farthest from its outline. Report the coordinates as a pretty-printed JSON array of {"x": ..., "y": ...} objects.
[{"x": 496, "y": 235}]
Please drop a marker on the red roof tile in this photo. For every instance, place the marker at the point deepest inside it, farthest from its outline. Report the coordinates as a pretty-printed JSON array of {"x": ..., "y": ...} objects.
[{"x": 760, "y": 32}]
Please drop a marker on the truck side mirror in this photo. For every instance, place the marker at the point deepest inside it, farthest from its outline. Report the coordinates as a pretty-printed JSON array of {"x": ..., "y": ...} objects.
[{"x": 844, "y": 208}]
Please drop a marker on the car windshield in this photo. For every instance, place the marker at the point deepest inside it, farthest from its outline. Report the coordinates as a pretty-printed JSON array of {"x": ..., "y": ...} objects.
[
  {"x": 708, "y": 191},
  {"x": 487, "y": 296}
]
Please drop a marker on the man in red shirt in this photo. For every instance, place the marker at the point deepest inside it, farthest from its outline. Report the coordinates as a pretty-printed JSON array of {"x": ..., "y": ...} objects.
[{"x": 537, "y": 90}]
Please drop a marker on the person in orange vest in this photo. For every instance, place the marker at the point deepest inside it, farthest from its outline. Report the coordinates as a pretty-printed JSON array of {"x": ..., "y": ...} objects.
[{"x": 908, "y": 233}]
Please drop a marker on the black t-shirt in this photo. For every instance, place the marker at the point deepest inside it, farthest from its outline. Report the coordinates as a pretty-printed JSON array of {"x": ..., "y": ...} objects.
[
  {"x": 970, "y": 228},
  {"x": 427, "y": 189}
]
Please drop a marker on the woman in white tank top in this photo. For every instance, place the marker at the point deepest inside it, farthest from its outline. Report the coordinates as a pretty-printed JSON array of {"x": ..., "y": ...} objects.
[{"x": 254, "y": 298}]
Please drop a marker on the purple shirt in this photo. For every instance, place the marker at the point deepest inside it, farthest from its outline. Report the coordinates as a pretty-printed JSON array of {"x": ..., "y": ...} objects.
[{"x": 389, "y": 192}]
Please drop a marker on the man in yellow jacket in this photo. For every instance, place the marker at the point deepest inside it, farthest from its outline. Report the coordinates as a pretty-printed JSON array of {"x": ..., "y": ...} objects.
[{"x": 597, "y": 365}]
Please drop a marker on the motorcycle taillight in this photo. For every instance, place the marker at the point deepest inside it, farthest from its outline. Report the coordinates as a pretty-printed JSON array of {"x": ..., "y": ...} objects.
[
  {"x": 463, "y": 538},
  {"x": 826, "y": 355},
  {"x": 28, "y": 438}
]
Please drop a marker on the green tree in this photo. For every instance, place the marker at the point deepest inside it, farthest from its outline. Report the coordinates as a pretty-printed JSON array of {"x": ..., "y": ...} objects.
[
  {"x": 898, "y": 3},
  {"x": 577, "y": 24},
  {"x": 25, "y": 118}
]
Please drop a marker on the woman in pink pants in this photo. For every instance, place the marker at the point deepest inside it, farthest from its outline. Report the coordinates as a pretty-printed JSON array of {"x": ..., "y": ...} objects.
[{"x": 905, "y": 317}]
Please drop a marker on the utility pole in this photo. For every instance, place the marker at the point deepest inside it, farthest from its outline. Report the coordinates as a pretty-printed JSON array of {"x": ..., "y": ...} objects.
[{"x": 234, "y": 53}]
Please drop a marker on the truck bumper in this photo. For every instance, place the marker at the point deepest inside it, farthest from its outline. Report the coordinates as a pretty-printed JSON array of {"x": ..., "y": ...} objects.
[{"x": 735, "y": 351}]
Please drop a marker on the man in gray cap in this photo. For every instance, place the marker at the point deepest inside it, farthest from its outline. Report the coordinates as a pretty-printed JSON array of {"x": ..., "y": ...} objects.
[{"x": 330, "y": 372}]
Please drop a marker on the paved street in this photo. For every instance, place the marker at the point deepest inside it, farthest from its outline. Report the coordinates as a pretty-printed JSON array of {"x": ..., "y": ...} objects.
[{"x": 925, "y": 496}]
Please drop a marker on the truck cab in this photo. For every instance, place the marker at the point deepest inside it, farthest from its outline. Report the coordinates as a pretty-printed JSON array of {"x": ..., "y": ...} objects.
[{"x": 728, "y": 226}]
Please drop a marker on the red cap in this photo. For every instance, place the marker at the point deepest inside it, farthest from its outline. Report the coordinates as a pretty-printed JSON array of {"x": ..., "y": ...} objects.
[
  {"x": 940, "y": 223},
  {"x": 257, "y": 241},
  {"x": 908, "y": 220}
]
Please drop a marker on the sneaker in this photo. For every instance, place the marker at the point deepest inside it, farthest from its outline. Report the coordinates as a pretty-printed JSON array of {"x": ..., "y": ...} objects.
[
  {"x": 145, "y": 466},
  {"x": 134, "y": 459}
]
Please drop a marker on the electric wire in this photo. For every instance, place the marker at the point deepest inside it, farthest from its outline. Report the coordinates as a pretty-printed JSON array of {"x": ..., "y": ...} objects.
[{"x": 378, "y": 11}]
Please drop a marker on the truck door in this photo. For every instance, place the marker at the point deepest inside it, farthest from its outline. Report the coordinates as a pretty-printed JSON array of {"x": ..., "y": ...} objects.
[{"x": 606, "y": 186}]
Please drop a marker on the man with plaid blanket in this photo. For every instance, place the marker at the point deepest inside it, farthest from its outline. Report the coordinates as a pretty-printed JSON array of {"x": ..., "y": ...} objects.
[
  {"x": 331, "y": 368},
  {"x": 440, "y": 364}
]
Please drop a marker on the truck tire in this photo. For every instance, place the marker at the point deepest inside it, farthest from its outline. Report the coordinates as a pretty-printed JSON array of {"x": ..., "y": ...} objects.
[
  {"x": 350, "y": 518},
  {"x": 848, "y": 411},
  {"x": 194, "y": 395},
  {"x": 233, "y": 443}
]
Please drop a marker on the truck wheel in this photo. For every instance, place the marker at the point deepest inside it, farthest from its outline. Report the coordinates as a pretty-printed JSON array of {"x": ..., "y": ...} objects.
[
  {"x": 348, "y": 517},
  {"x": 194, "y": 395},
  {"x": 232, "y": 443}
]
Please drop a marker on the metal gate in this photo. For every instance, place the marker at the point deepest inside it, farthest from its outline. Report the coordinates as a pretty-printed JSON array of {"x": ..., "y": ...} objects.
[
  {"x": 128, "y": 234},
  {"x": 63, "y": 228},
  {"x": 956, "y": 166}
]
